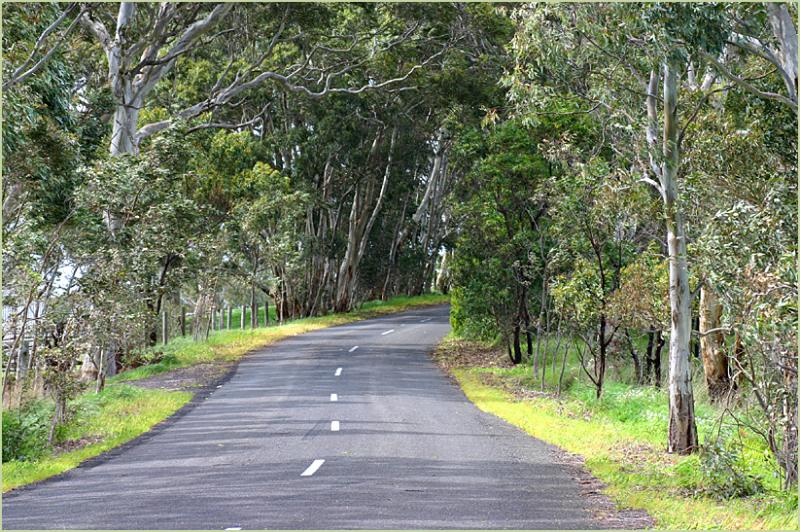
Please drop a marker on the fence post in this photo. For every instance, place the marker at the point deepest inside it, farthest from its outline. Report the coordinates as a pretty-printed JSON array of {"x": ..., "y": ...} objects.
[
  {"x": 230, "y": 316},
  {"x": 266, "y": 312},
  {"x": 213, "y": 318},
  {"x": 244, "y": 311},
  {"x": 183, "y": 320},
  {"x": 164, "y": 327},
  {"x": 221, "y": 318}
]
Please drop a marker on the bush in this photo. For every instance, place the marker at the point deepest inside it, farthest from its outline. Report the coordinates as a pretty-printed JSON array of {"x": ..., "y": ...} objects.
[
  {"x": 725, "y": 476},
  {"x": 470, "y": 318},
  {"x": 140, "y": 357},
  {"x": 25, "y": 431}
]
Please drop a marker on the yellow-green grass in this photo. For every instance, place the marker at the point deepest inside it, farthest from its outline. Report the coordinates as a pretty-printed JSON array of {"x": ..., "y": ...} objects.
[
  {"x": 638, "y": 473},
  {"x": 121, "y": 412},
  {"x": 230, "y": 345},
  {"x": 115, "y": 416}
]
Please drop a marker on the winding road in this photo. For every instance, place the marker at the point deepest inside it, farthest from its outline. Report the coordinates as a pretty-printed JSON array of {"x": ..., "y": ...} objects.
[{"x": 347, "y": 427}]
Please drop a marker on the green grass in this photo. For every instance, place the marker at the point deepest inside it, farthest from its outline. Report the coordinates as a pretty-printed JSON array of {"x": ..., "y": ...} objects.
[
  {"x": 121, "y": 411},
  {"x": 115, "y": 416},
  {"x": 623, "y": 438},
  {"x": 230, "y": 345}
]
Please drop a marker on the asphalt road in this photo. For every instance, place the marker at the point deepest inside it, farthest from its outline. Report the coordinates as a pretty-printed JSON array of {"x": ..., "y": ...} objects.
[{"x": 410, "y": 451}]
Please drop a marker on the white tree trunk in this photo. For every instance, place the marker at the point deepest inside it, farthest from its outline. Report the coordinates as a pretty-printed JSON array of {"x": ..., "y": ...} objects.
[
  {"x": 785, "y": 32},
  {"x": 358, "y": 234},
  {"x": 682, "y": 428}
]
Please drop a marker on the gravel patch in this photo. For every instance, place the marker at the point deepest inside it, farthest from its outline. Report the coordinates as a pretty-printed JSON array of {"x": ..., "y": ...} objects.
[{"x": 188, "y": 379}]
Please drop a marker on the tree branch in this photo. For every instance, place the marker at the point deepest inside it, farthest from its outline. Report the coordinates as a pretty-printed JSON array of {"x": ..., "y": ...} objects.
[
  {"x": 748, "y": 86},
  {"x": 20, "y": 74}
]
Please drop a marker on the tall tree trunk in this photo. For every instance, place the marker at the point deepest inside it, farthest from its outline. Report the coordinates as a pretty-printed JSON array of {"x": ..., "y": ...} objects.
[
  {"x": 682, "y": 428},
  {"x": 600, "y": 361},
  {"x": 647, "y": 375},
  {"x": 358, "y": 233},
  {"x": 517, "y": 358},
  {"x": 657, "y": 358},
  {"x": 637, "y": 365},
  {"x": 712, "y": 345},
  {"x": 789, "y": 410},
  {"x": 443, "y": 278}
]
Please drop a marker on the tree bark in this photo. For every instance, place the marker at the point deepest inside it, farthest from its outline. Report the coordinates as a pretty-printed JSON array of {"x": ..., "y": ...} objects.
[
  {"x": 682, "y": 428},
  {"x": 358, "y": 233},
  {"x": 712, "y": 345},
  {"x": 786, "y": 34},
  {"x": 647, "y": 374},
  {"x": 657, "y": 358}
]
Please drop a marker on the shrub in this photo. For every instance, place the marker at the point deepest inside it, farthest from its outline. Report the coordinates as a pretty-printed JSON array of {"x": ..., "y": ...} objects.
[
  {"x": 25, "y": 431},
  {"x": 141, "y": 357},
  {"x": 725, "y": 476},
  {"x": 470, "y": 318}
]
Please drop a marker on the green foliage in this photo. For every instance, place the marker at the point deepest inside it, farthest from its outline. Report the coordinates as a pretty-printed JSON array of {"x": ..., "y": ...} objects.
[
  {"x": 471, "y": 319},
  {"x": 497, "y": 265},
  {"x": 25, "y": 431},
  {"x": 725, "y": 475}
]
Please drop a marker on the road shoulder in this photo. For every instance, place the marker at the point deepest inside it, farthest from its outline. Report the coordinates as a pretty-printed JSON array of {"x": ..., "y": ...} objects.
[{"x": 457, "y": 357}]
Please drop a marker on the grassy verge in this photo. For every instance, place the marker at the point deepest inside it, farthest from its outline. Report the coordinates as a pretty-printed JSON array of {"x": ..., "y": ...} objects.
[
  {"x": 622, "y": 439},
  {"x": 102, "y": 421},
  {"x": 122, "y": 411}
]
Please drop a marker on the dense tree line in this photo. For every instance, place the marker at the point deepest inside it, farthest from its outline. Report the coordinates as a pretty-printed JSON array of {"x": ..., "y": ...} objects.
[
  {"x": 639, "y": 196},
  {"x": 167, "y": 155},
  {"x": 619, "y": 176}
]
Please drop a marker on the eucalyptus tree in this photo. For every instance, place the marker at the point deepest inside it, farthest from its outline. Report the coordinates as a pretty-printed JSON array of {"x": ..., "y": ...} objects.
[
  {"x": 629, "y": 65},
  {"x": 765, "y": 32},
  {"x": 143, "y": 43},
  {"x": 575, "y": 50}
]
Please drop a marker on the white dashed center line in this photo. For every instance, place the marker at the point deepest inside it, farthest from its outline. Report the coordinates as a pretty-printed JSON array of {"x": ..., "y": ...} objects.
[
  {"x": 390, "y": 331},
  {"x": 234, "y": 528},
  {"x": 353, "y": 348},
  {"x": 338, "y": 371},
  {"x": 334, "y": 397},
  {"x": 312, "y": 468},
  {"x": 426, "y": 319},
  {"x": 335, "y": 426}
]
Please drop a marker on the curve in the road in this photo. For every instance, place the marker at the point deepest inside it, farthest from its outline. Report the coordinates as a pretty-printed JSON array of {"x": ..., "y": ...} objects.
[{"x": 347, "y": 427}]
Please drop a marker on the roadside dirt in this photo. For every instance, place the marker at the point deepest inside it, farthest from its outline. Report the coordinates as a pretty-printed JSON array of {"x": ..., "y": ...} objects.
[
  {"x": 74, "y": 445},
  {"x": 460, "y": 353},
  {"x": 603, "y": 509},
  {"x": 187, "y": 379}
]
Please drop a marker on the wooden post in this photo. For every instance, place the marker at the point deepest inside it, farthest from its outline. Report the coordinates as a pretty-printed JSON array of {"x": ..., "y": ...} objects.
[
  {"x": 183, "y": 320},
  {"x": 253, "y": 310},
  {"x": 244, "y": 311},
  {"x": 213, "y": 318},
  {"x": 221, "y": 318},
  {"x": 266, "y": 312},
  {"x": 164, "y": 326},
  {"x": 230, "y": 316}
]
